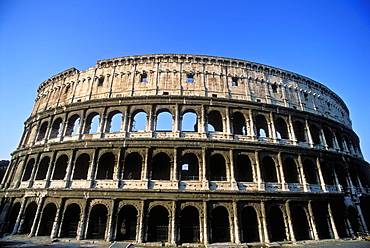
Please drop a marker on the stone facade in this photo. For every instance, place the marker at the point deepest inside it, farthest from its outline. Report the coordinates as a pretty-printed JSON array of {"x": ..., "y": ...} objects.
[{"x": 186, "y": 149}]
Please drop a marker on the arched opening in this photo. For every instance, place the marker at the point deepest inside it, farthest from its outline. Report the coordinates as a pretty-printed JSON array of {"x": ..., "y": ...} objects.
[
  {"x": 354, "y": 175},
  {"x": 106, "y": 166},
  {"x": 43, "y": 169},
  {"x": 29, "y": 217},
  {"x": 56, "y": 128},
  {"x": 217, "y": 168},
  {"x": 365, "y": 206},
  {"x": 338, "y": 209},
  {"x": 281, "y": 129},
  {"x": 215, "y": 122},
  {"x": 244, "y": 171},
  {"x": 72, "y": 126},
  {"x": 310, "y": 172},
  {"x": 132, "y": 168},
  {"x": 60, "y": 167},
  {"x": 342, "y": 175},
  {"x": 97, "y": 222},
  {"x": 42, "y": 131},
  {"x": 28, "y": 170},
  {"x": 127, "y": 220},
  {"x": 261, "y": 126},
  {"x": 47, "y": 220},
  {"x": 340, "y": 140},
  {"x": 353, "y": 219},
  {"x": 12, "y": 218},
  {"x": 164, "y": 121},
  {"x": 189, "y": 122},
  {"x": 249, "y": 222},
  {"x": 239, "y": 126},
  {"x": 290, "y": 171},
  {"x": 329, "y": 137},
  {"x": 300, "y": 223},
  {"x": 138, "y": 122},
  {"x": 276, "y": 224},
  {"x": 327, "y": 173},
  {"x": 114, "y": 122},
  {"x": 220, "y": 225},
  {"x": 299, "y": 131},
  {"x": 320, "y": 212},
  {"x": 158, "y": 224},
  {"x": 189, "y": 225},
  {"x": 81, "y": 167},
  {"x": 161, "y": 167},
  {"x": 268, "y": 170},
  {"x": 315, "y": 135},
  {"x": 92, "y": 123},
  {"x": 189, "y": 167},
  {"x": 70, "y": 221}
]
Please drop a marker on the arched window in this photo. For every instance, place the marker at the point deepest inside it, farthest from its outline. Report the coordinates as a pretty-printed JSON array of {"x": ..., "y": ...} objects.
[
  {"x": 12, "y": 217},
  {"x": 28, "y": 170},
  {"x": 249, "y": 223},
  {"x": 239, "y": 126},
  {"x": 329, "y": 137},
  {"x": 217, "y": 168},
  {"x": 97, "y": 222},
  {"x": 132, "y": 167},
  {"x": 354, "y": 175},
  {"x": 300, "y": 223},
  {"x": 320, "y": 213},
  {"x": 42, "y": 131},
  {"x": 138, "y": 122},
  {"x": 299, "y": 131},
  {"x": 81, "y": 167},
  {"x": 340, "y": 140},
  {"x": 220, "y": 225},
  {"x": 189, "y": 167},
  {"x": 60, "y": 167},
  {"x": 56, "y": 128},
  {"x": 276, "y": 224},
  {"x": 189, "y": 122},
  {"x": 261, "y": 126},
  {"x": 114, "y": 122},
  {"x": 164, "y": 121},
  {"x": 161, "y": 166},
  {"x": 244, "y": 171},
  {"x": 215, "y": 122},
  {"x": 281, "y": 129},
  {"x": 341, "y": 174},
  {"x": 106, "y": 166},
  {"x": 290, "y": 171},
  {"x": 327, "y": 173},
  {"x": 72, "y": 126},
  {"x": 127, "y": 221},
  {"x": 71, "y": 218},
  {"x": 315, "y": 134},
  {"x": 43, "y": 169},
  {"x": 310, "y": 171},
  {"x": 29, "y": 217},
  {"x": 47, "y": 220},
  {"x": 268, "y": 170},
  {"x": 189, "y": 225},
  {"x": 158, "y": 223},
  {"x": 92, "y": 123}
]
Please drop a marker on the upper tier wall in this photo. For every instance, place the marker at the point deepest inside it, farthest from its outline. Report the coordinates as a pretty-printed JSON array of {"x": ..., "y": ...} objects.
[{"x": 191, "y": 75}]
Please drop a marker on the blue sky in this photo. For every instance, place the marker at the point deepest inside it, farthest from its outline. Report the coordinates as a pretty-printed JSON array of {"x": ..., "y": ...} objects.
[{"x": 326, "y": 40}]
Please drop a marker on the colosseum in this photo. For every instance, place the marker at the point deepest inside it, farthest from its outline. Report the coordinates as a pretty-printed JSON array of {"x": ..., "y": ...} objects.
[{"x": 176, "y": 149}]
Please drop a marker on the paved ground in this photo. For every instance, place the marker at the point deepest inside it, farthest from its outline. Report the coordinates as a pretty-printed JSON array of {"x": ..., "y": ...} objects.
[{"x": 28, "y": 242}]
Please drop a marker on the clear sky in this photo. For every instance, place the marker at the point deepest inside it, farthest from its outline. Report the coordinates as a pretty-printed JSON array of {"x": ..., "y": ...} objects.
[{"x": 325, "y": 40}]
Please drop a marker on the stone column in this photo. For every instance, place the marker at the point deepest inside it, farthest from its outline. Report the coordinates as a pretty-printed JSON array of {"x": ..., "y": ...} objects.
[
  {"x": 140, "y": 225},
  {"x": 110, "y": 232},
  {"x": 227, "y": 122},
  {"x": 34, "y": 170},
  {"x": 308, "y": 134},
  {"x": 292, "y": 136},
  {"x": 173, "y": 224},
  {"x": 50, "y": 169},
  {"x": 232, "y": 171},
  {"x": 321, "y": 177},
  {"x": 204, "y": 169},
  {"x": 280, "y": 171},
  {"x": 252, "y": 132},
  {"x": 271, "y": 127},
  {"x": 261, "y": 183},
  {"x": 312, "y": 222},
  {"x": 306, "y": 187},
  {"x": 205, "y": 223},
  {"x": 236, "y": 223},
  {"x": 332, "y": 222},
  {"x": 289, "y": 220},
  {"x": 92, "y": 168},
  {"x": 68, "y": 177},
  {"x": 81, "y": 229},
  {"x": 265, "y": 238},
  {"x": 36, "y": 222},
  {"x": 58, "y": 220}
]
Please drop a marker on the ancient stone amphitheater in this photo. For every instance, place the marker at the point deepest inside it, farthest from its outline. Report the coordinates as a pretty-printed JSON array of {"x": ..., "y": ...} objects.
[{"x": 173, "y": 149}]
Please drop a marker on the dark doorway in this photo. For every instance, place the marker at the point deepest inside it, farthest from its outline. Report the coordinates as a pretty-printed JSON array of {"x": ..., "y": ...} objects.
[
  {"x": 244, "y": 171},
  {"x": 97, "y": 222},
  {"x": 70, "y": 221},
  {"x": 158, "y": 224},
  {"x": 290, "y": 171},
  {"x": 353, "y": 219},
  {"x": 300, "y": 223},
  {"x": 320, "y": 212},
  {"x": 268, "y": 170},
  {"x": 81, "y": 167},
  {"x": 47, "y": 220},
  {"x": 29, "y": 217},
  {"x": 249, "y": 224},
  {"x": 161, "y": 167},
  {"x": 217, "y": 168},
  {"x": 106, "y": 166},
  {"x": 189, "y": 225},
  {"x": 220, "y": 225},
  {"x": 132, "y": 167},
  {"x": 276, "y": 224},
  {"x": 60, "y": 167},
  {"x": 12, "y": 218},
  {"x": 127, "y": 220}
]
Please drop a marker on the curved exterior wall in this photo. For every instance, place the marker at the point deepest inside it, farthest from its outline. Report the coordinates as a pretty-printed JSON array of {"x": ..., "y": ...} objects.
[{"x": 266, "y": 156}]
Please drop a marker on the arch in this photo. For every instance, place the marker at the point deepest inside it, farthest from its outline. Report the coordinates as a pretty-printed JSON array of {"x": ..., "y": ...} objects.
[
  {"x": 281, "y": 128},
  {"x": 42, "y": 131},
  {"x": 215, "y": 122},
  {"x": 81, "y": 167},
  {"x": 338, "y": 209},
  {"x": 365, "y": 206},
  {"x": 189, "y": 122},
  {"x": 261, "y": 126},
  {"x": 220, "y": 225},
  {"x": 12, "y": 218},
  {"x": 92, "y": 123},
  {"x": 127, "y": 220},
  {"x": 315, "y": 134},
  {"x": 329, "y": 138},
  {"x": 342, "y": 175},
  {"x": 189, "y": 167},
  {"x": 300, "y": 223},
  {"x": 29, "y": 216},
  {"x": 161, "y": 166},
  {"x": 276, "y": 224},
  {"x": 239, "y": 125},
  {"x": 60, "y": 167},
  {"x": 249, "y": 222},
  {"x": 327, "y": 173},
  {"x": 340, "y": 140},
  {"x": 106, "y": 166},
  {"x": 43, "y": 168},
  {"x": 310, "y": 172},
  {"x": 138, "y": 122},
  {"x": 354, "y": 175},
  {"x": 70, "y": 222},
  {"x": 217, "y": 168},
  {"x": 189, "y": 225},
  {"x": 114, "y": 122},
  {"x": 244, "y": 172},
  {"x": 164, "y": 121},
  {"x": 290, "y": 171},
  {"x": 320, "y": 212},
  {"x": 73, "y": 124},
  {"x": 56, "y": 128},
  {"x": 28, "y": 170},
  {"x": 133, "y": 165},
  {"x": 268, "y": 170},
  {"x": 97, "y": 222},
  {"x": 47, "y": 220},
  {"x": 299, "y": 131},
  {"x": 158, "y": 223},
  {"x": 353, "y": 219}
]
